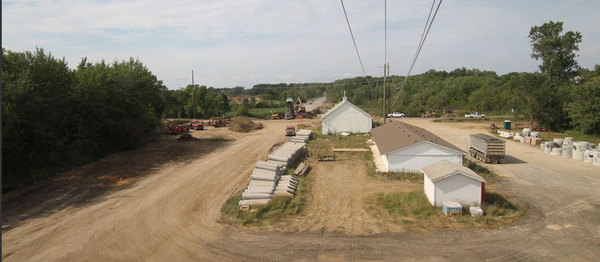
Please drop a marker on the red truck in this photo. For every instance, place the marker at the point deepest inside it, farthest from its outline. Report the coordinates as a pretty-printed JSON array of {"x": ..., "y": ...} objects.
[{"x": 196, "y": 125}]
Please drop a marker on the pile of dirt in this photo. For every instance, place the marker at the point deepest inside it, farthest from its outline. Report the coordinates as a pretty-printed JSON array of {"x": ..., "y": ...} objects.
[
  {"x": 186, "y": 137},
  {"x": 244, "y": 124}
]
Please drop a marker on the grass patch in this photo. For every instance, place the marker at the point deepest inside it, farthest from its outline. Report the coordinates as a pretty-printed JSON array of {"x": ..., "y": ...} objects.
[
  {"x": 265, "y": 112},
  {"x": 413, "y": 211},
  {"x": 484, "y": 172},
  {"x": 404, "y": 176}
]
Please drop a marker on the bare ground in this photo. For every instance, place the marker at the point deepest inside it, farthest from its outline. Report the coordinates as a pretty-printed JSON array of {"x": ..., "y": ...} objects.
[{"x": 172, "y": 212}]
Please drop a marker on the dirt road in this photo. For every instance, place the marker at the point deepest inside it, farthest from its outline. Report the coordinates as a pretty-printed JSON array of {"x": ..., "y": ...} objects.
[{"x": 172, "y": 216}]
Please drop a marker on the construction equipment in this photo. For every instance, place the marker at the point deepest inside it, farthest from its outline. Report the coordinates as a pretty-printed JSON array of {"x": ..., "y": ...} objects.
[
  {"x": 487, "y": 148},
  {"x": 429, "y": 114},
  {"x": 218, "y": 122},
  {"x": 300, "y": 110},
  {"x": 276, "y": 116},
  {"x": 196, "y": 125},
  {"x": 173, "y": 129},
  {"x": 289, "y": 111}
]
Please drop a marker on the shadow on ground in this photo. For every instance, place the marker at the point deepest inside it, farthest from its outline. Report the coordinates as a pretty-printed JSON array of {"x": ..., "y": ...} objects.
[{"x": 88, "y": 184}]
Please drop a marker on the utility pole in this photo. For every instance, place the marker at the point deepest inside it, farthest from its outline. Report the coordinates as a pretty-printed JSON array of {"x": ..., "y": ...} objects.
[
  {"x": 384, "y": 82},
  {"x": 193, "y": 94}
]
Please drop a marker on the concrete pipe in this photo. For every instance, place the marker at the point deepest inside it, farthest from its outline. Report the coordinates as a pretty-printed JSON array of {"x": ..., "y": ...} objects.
[
  {"x": 588, "y": 156},
  {"x": 262, "y": 183},
  {"x": 568, "y": 141},
  {"x": 285, "y": 187},
  {"x": 558, "y": 141},
  {"x": 288, "y": 179},
  {"x": 522, "y": 140},
  {"x": 596, "y": 160},
  {"x": 567, "y": 151},
  {"x": 252, "y": 195},
  {"x": 557, "y": 151},
  {"x": 267, "y": 167},
  {"x": 286, "y": 190},
  {"x": 548, "y": 146},
  {"x": 259, "y": 190},
  {"x": 265, "y": 172},
  {"x": 288, "y": 182},
  {"x": 254, "y": 202},
  {"x": 577, "y": 151},
  {"x": 264, "y": 177},
  {"x": 534, "y": 134},
  {"x": 526, "y": 131},
  {"x": 279, "y": 158}
]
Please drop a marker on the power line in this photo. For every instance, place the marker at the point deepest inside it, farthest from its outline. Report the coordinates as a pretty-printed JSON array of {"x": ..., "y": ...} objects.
[
  {"x": 353, "y": 41},
  {"x": 420, "y": 46}
]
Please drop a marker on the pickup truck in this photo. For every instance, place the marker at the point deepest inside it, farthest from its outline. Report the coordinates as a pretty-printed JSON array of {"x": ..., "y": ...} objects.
[
  {"x": 475, "y": 115},
  {"x": 290, "y": 131},
  {"x": 395, "y": 114}
]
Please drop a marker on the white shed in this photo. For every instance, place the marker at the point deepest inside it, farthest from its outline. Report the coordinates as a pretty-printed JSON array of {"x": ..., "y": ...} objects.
[
  {"x": 447, "y": 181},
  {"x": 346, "y": 117},
  {"x": 407, "y": 148}
]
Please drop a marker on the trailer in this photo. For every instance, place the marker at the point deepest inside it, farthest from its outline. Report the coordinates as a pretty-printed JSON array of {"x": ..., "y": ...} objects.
[{"x": 487, "y": 148}]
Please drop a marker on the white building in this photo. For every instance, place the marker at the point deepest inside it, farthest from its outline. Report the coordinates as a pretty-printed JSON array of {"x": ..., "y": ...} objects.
[
  {"x": 346, "y": 117},
  {"x": 407, "y": 148},
  {"x": 447, "y": 181}
]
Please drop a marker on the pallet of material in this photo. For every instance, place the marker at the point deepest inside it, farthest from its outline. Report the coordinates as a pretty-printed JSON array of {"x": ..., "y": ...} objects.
[{"x": 301, "y": 170}]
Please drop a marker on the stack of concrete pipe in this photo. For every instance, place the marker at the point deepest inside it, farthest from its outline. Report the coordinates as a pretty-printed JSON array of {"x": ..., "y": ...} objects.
[
  {"x": 302, "y": 136},
  {"x": 267, "y": 179},
  {"x": 288, "y": 153}
]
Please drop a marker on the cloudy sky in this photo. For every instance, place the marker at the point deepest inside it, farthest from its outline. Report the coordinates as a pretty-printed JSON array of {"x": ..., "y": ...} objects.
[{"x": 244, "y": 42}]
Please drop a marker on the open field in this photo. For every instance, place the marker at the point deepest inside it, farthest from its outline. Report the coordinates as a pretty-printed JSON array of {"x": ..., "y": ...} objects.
[{"x": 172, "y": 211}]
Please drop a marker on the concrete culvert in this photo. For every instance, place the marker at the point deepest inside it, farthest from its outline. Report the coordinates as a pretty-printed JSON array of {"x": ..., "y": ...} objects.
[
  {"x": 567, "y": 151},
  {"x": 252, "y": 195},
  {"x": 557, "y": 151}
]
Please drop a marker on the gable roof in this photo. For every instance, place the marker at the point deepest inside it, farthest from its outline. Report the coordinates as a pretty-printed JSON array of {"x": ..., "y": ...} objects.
[
  {"x": 340, "y": 104},
  {"x": 397, "y": 135},
  {"x": 443, "y": 169}
]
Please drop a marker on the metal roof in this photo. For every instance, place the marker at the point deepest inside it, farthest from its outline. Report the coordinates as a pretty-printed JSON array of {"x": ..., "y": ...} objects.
[
  {"x": 443, "y": 169},
  {"x": 397, "y": 135}
]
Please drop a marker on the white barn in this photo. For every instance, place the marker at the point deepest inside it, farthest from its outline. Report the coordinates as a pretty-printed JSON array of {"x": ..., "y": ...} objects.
[
  {"x": 407, "y": 148},
  {"x": 447, "y": 181},
  {"x": 346, "y": 117}
]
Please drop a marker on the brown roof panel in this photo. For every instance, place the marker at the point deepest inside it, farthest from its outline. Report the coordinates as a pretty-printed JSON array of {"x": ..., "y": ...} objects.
[{"x": 397, "y": 135}]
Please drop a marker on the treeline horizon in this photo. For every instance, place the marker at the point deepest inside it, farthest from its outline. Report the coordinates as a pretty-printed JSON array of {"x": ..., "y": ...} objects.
[{"x": 55, "y": 118}]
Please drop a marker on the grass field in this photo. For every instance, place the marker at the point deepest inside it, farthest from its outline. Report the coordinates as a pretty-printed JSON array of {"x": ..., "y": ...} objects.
[{"x": 413, "y": 212}]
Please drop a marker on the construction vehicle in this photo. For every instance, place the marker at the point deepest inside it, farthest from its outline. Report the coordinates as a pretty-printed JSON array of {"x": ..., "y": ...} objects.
[
  {"x": 218, "y": 122},
  {"x": 429, "y": 114},
  {"x": 487, "y": 148},
  {"x": 290, "y": 131},
  {"x": 173, "y": 129},
  {"x": 196, "y": 125},
  {"x": 300, "y": 110},
  {"x": 276, "y": 115},
  {"x": 289, "y": 109}
]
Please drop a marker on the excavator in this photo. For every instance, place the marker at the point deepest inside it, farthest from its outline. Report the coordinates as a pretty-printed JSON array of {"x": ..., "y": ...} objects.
[
  {"x": 300, "y": 110},
  {"x": 218, "y": 122}
]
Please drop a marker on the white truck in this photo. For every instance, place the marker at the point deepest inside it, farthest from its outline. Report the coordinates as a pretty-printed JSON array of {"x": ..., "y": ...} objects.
[
  {"x": 475, "y": 115},
  {"x": 395, "y": 114}
]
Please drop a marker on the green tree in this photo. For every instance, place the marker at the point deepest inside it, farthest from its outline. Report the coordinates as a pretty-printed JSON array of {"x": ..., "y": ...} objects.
[
  {"x": 556, "y": 51},
  {"x": 584, "y": 108}
]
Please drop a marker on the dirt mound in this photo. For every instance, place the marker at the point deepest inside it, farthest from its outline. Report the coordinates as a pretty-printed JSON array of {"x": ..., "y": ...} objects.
[
  {"x": 186, "y": 137},
  {"x": 244, "y": 124}
]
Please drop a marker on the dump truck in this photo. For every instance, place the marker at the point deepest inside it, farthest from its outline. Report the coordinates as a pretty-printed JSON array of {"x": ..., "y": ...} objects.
[
  {"x": 289, "y": 109},
  {"x": 487, "y": 148}
]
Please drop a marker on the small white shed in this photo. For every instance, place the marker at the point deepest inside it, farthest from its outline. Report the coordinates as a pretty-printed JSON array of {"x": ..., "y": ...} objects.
[
  {"x": 407, "y": 148},
  {"x": 346, "y": 117},
  {"x": 447, "y": 181}
]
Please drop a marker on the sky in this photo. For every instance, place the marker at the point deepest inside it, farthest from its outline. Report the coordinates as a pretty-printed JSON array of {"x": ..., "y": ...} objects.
[{"x": 231, "y": 43}]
